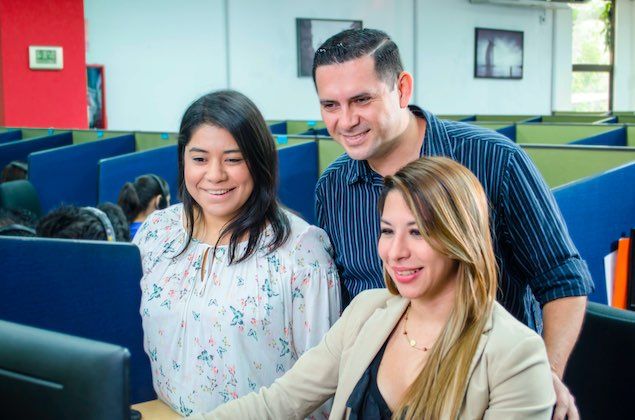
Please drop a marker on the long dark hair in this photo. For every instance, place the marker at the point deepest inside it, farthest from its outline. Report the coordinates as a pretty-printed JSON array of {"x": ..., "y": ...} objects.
[{"x": 234, "y": 112}]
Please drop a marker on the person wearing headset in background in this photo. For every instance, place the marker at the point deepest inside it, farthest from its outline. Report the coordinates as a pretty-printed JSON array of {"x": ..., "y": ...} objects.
[
  {"x": 235, "y": 288},
  {"x": 140, "y": 198},
  {"x": 14, "y": 171},
  {"x": 105, "y": 222}
]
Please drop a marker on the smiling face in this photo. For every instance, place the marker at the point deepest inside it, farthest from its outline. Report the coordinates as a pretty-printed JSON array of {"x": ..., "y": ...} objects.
[
  {"x": 216, "y": 174},
  {"x": 361, "y": 112},
  {"x": 417, "y": 269}
]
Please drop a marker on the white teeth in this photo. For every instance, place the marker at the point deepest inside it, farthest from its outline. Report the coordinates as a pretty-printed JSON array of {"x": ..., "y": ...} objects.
[
  {"x": 407, "y": 273},
  {"x": 354, "y": 136},
  {"x": 218, "y": 192}
]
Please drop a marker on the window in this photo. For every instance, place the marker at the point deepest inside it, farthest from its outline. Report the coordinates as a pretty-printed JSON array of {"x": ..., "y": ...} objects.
[{"x": 592, "y": 82}]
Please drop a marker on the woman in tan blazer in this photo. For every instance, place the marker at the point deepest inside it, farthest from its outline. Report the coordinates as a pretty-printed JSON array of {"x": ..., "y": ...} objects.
[{"x": 435, "y": 344}]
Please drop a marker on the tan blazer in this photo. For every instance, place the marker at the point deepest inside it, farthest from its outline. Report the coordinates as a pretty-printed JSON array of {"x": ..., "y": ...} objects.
[{"x": 510, "y": 376}]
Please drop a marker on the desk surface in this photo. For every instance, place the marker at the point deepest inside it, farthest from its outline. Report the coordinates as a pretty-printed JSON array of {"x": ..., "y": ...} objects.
[{"x": 156, "y": 410}]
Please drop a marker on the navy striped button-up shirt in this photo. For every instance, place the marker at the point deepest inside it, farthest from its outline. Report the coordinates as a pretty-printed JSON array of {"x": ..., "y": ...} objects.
[{"x": 536, "y": 257}]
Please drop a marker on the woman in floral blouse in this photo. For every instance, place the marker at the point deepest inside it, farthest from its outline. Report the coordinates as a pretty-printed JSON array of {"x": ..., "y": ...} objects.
[{"x": 234, "y": 288}]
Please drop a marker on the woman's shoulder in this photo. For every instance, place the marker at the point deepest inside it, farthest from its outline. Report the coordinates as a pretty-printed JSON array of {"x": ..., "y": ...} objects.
[
  {"x": 303, "y": 235},
  {"x": 366, "y": 303},
  {"x": 506, "y": 333},
  {"x": 160, "y": 225}
]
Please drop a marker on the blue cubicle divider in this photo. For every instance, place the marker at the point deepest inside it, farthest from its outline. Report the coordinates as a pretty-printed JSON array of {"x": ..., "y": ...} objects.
[
  {"x": 84, "y": 288},
  {"x": 598, "y": 210},
  {"x": 278, "y": 128},
  {"x": 298, "y": 173},
  {"x": 10, "y": 135},
  {"x": 610, "y": 138},
  {"x": 69, "y": 174},
  {"x": 316, "y": 132},
  {"x": 19, "y": 150},
  {"x": 509, "y": 132},
  {"x": 114, "y": 172}
]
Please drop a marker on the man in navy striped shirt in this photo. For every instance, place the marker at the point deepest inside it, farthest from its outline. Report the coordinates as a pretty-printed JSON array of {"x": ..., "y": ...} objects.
[{"x": 364, "y": 97}]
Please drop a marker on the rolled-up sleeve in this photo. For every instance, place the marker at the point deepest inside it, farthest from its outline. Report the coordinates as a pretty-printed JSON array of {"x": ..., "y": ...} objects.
[{"x": 542, "y": 250}]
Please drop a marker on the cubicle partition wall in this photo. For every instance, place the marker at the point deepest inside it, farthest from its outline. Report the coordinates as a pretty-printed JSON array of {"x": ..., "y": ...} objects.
[
  {"x": 20, "y": 150},
  {"x": 578, "y": 118},
  {"x": 616, "y": 137},
  {"x": 531, "y": 133},
  {"x": 626, "y": 119},
  {"x": 560, "y": 165},
  {"x": 29, "y": 133},
  {"x": 630, "y": 135},
  {"x": 328, "y": 151},
  {"x": 69, "y": 174},
  {"x": 297, "y": 127},
  {"x": 590, "y": 113},
  {"x": 277, "y": 127},
  {"x": 147, "y": 141},
  {"x": 84, "y": 288},
  {"x": 7, "y": 135},
  {"x": 508, "y": 118},
  {"x": 456, "y": 117},
  {"x": 598, "y": 210},
  {"x": 506, "y": 129},
  {"x": 298, "y": 173},
  {"x": 87, "y": 136},
  {"x": 284, "y": 140},
  {"x": 114, "y": 172}
]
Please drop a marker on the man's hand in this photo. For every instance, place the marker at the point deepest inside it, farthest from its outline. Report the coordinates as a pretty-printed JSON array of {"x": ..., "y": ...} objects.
[{"x": 565, "y": 403}]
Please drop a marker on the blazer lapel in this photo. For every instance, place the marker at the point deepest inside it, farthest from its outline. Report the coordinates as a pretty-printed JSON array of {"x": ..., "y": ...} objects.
[
  {"x": 481, "y": 345},
  {"x": 371, "y": 337}
]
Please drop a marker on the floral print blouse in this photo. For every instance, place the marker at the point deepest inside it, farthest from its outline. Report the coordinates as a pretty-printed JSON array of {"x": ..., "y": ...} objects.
[{"x": 215, "y": 332}]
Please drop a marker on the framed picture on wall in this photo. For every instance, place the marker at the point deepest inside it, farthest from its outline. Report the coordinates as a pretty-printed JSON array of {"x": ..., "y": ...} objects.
[
  {"x": 96, "y": 96},
  {"x": 311, "y": 33},
  {"x": 498, "y": 54}
]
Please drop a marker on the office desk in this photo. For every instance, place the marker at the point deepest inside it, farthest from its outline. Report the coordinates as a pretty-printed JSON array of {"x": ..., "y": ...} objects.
[{"x": 156, "y": 410}]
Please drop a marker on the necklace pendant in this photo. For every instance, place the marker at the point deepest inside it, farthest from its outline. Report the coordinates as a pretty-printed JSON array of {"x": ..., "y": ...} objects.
[{"x": 413, "y": 343}]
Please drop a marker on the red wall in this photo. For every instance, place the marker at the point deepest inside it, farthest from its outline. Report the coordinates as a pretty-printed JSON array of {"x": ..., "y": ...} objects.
[{"x": 42, "y": 98}]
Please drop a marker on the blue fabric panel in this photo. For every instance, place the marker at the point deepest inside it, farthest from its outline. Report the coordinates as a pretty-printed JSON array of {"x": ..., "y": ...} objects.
[
  {"x": 509, "y": 132},
  {"x": 298, "y": 169},
  {"x": 470, "y": 118},
  {"x": 278, "y": 128},
  {"x": 534, "y": 119},
  {"x": 610, "y": 138},
  {"x": 69, "y": 174},
  {"x": 84, "y": 288},
  {"x": 116, "y": 171},
  {"x": 10, "y": 135},
  {"x": 598, "y": 210},
  {"x": 314, "y": 132},
  {"x": 19, "y": 150}
]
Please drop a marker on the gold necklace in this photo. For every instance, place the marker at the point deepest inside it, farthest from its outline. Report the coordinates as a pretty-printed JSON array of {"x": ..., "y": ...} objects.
[{"x": 411, "y": 341}]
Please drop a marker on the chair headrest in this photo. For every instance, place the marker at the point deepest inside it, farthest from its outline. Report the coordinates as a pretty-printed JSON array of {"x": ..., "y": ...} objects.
[{"x": 20, "y": 195}]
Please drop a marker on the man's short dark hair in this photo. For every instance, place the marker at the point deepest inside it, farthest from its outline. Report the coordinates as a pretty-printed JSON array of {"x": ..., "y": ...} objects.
[{"x": 356, "y": 43}]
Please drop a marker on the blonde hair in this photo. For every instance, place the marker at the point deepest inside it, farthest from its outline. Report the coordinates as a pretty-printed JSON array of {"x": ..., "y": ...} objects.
[{"x": 451, "y": 211}]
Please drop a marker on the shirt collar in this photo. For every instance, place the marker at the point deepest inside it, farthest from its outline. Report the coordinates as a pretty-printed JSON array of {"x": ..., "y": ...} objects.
[{"x": 436, "y": 142}]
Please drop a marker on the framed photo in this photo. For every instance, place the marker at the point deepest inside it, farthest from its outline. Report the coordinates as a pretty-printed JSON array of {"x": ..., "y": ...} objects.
[
  {"x": 311, "y": 33},
  {"x": 96, "y": 96},
  {"x": 498, "y": 54}
]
